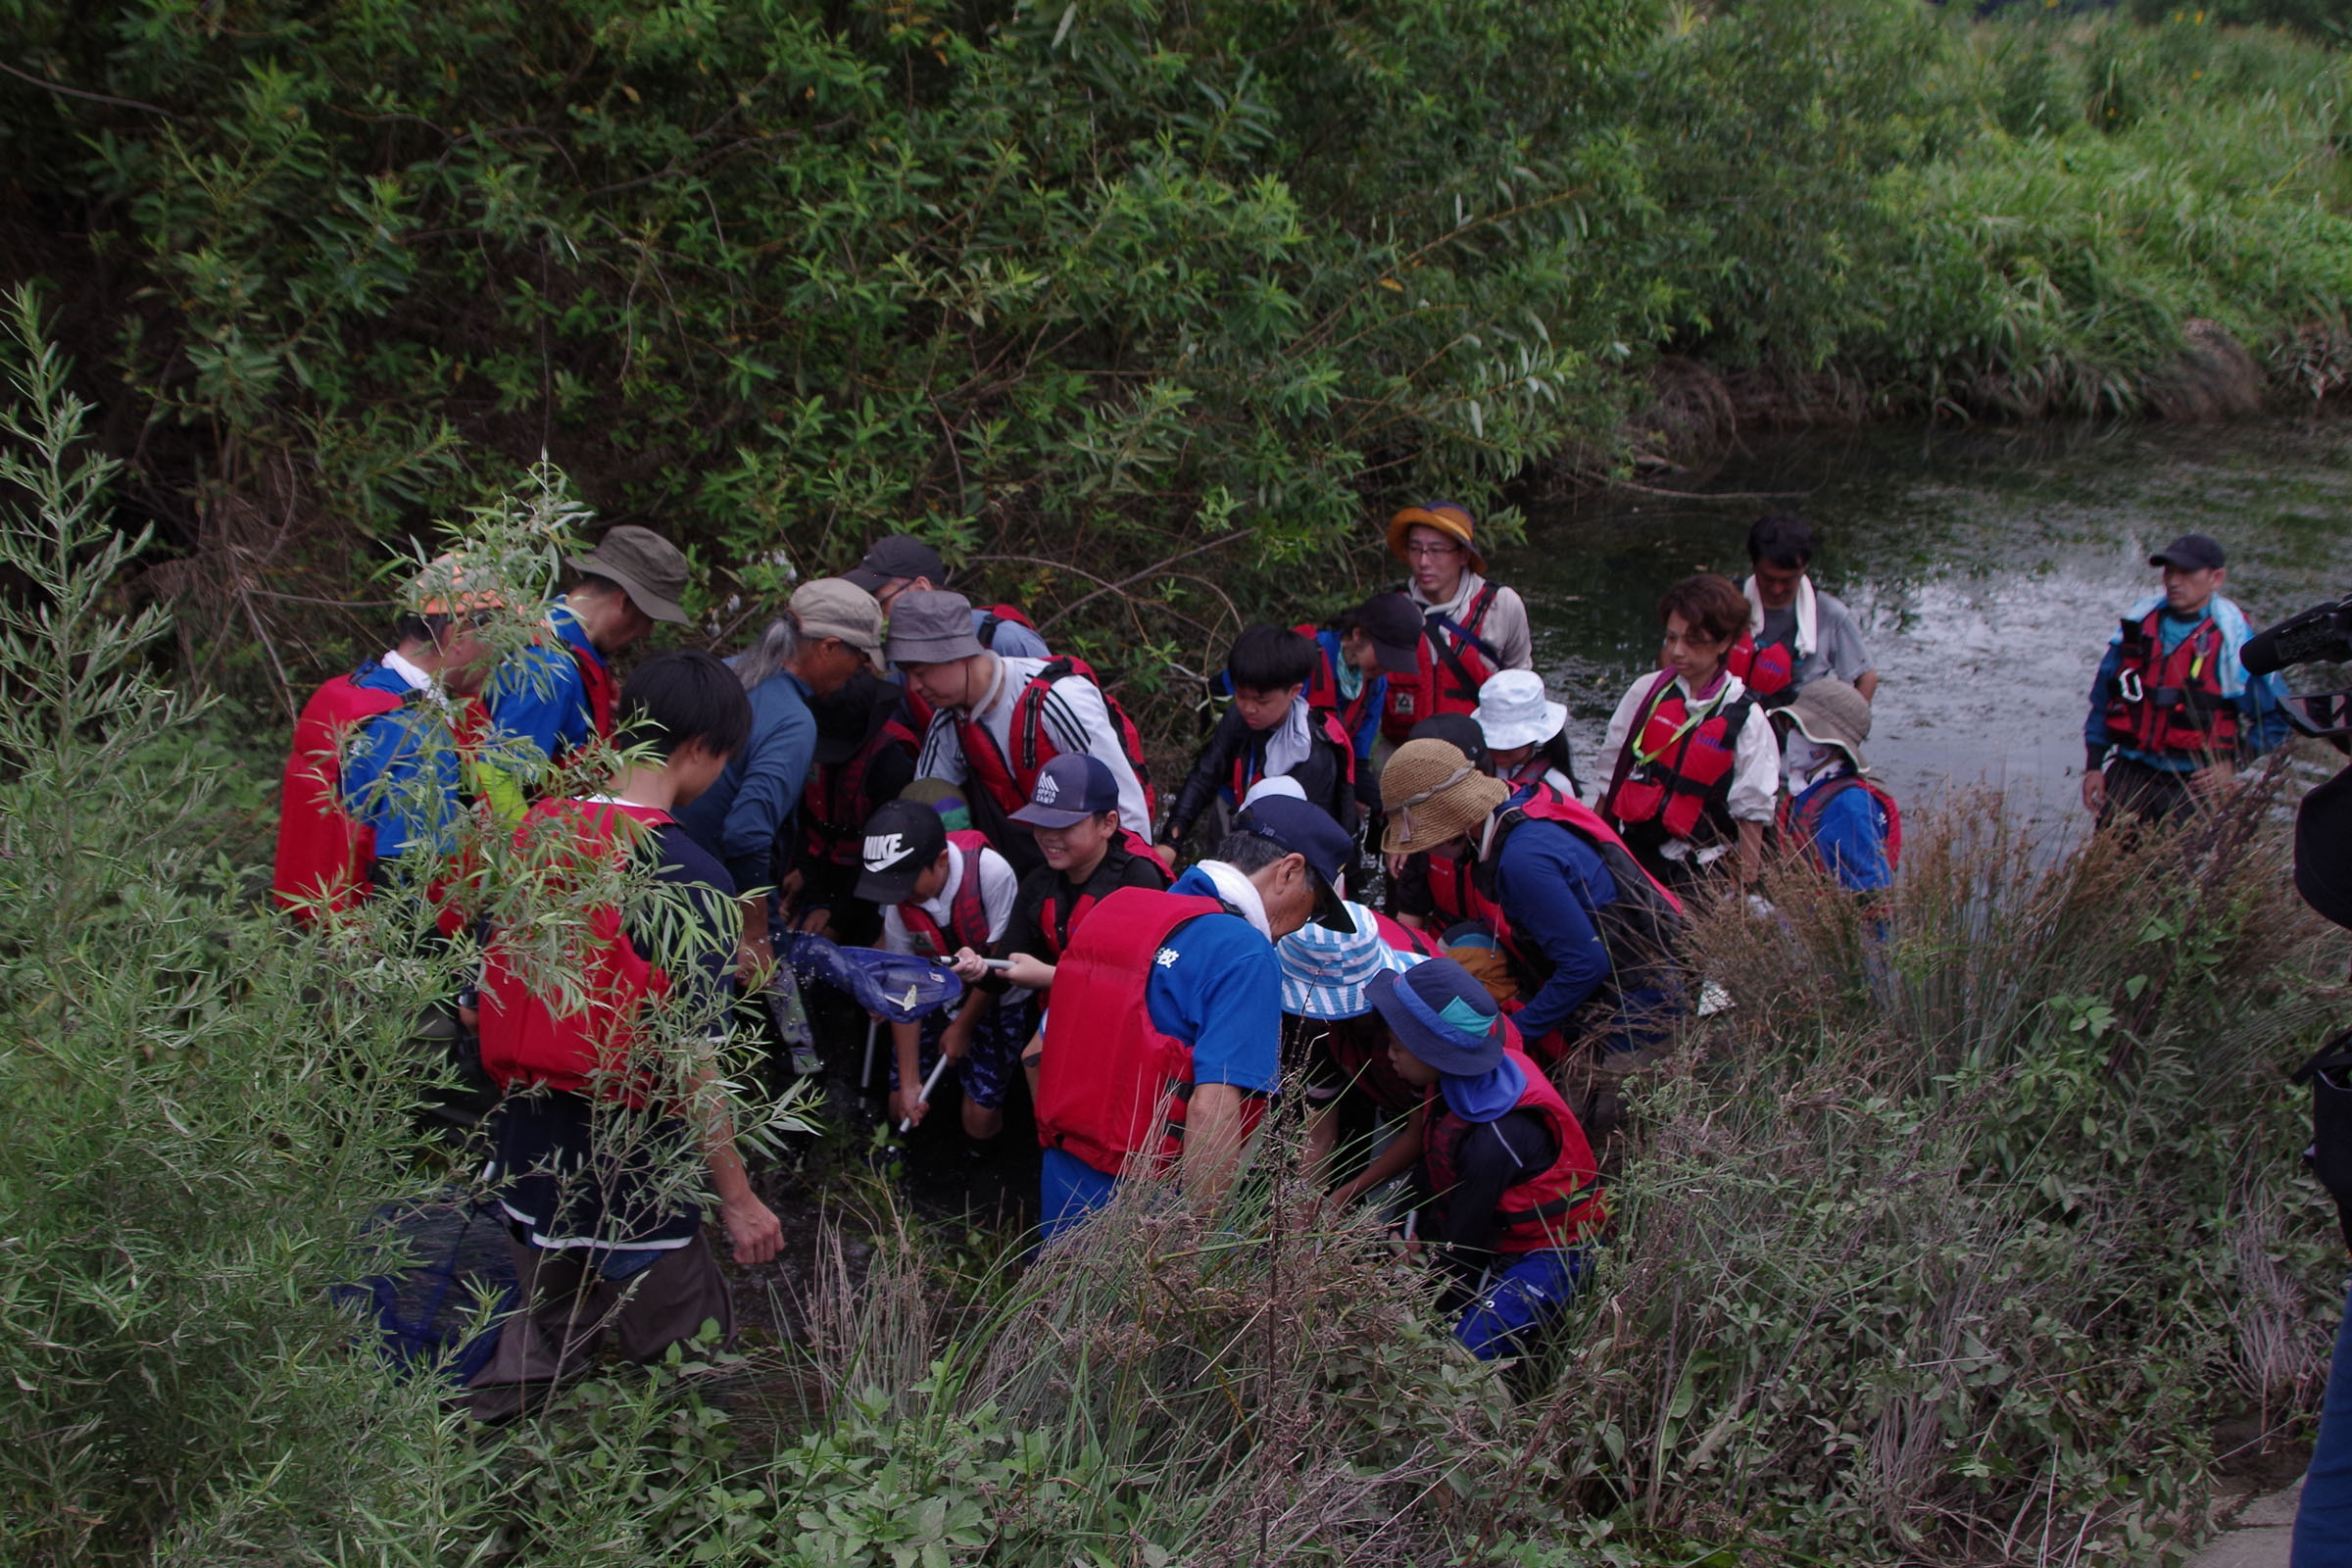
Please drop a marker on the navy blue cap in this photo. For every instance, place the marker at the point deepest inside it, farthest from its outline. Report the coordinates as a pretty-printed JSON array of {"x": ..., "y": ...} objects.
[
  {"x": 1308, "y": 831},
  {"x": 902, "y": 840},
  {"x": 1071, "y": 788},
  {"x": 2191, "y": 552},
  {"x": 1443, "y": 1014}
]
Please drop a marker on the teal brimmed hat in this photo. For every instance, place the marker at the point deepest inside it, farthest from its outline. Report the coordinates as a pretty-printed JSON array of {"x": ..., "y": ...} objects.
[
  {"x": 1327, "y": 975},
  {"x": 1440, "y": 1012}
]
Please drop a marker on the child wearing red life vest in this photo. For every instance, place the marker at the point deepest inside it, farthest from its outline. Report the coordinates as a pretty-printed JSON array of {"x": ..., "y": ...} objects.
[
  {"x": 608, "y": 1081},
  {"x": 945, "y": 895},
  {"x": 1270, "y": 730},
  {"x": 1841, "y": 820},
  {"x": 1511, "y": 1199}
]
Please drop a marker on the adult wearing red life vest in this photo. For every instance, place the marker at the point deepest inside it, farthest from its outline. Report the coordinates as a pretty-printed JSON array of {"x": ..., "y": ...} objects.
[
  {"x": 558, "y": 694},
  {"x": 903, "y": 563},
  {"x": 2172, "y": 711},
  {"x": 607, "y": 1073},
  {"x": 1511, "y": 1195},
  {"x": 376, "y": 765},
  {"x": 1588, "y": 932},
  {"x": 1796, "y": 634},
  {"x": 1695, "y": 768},
  {"x": 1163, "y": 1035},
  {"x": 1471, "y": 628},
  {"x": 998, "y": 721},
  {"x": 864, "y": 756}
]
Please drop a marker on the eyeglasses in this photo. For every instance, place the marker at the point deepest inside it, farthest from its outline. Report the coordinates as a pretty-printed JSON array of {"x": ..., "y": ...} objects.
[{"x": 1436, "y": 551}]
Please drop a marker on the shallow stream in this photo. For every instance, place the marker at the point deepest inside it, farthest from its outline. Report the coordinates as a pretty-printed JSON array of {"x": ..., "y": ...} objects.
[{"x": 1987, "y": 568}]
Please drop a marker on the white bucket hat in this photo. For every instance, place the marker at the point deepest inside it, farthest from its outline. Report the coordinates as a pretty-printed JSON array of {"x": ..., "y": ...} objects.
[{"x": 1513, "y": 711}]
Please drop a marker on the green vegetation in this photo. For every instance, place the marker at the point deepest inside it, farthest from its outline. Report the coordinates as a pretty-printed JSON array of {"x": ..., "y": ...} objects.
[
  {"x": 1097, "y": 293},
  {"x": 1937, "y": 1253}
]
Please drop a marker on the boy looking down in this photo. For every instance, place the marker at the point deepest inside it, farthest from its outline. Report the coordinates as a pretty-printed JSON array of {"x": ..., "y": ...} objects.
[
  {"x": 607, "y": 1062},
  {"x": 1268, "y": 731}
]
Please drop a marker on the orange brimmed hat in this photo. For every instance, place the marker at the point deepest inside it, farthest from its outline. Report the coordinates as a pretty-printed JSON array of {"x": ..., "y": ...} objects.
[
  {"x": 1448, "y": 517},
  {"x": 443, "y": 584}
]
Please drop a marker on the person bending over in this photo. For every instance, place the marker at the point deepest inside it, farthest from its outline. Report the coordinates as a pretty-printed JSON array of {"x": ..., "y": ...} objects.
[{"x": 1268, "y": 731}]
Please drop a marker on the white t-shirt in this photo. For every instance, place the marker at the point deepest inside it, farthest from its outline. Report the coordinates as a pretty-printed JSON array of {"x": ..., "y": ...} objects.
[
  {"x": 1076, "y": 719},
  {"x": 998, "y": 885},
  {"x": 1755, "y": 756}
]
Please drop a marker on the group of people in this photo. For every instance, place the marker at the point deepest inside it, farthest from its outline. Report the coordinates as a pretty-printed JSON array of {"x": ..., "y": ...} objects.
[{"x": 890, "y": 764}]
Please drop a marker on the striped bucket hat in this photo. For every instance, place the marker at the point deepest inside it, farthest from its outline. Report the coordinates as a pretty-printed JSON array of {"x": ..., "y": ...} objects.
[{"x": 1325, "y": 974}]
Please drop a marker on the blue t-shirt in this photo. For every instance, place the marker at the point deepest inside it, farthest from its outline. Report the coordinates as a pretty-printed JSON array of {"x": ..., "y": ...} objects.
[
  {"x": 743, "y": 815},
  {"x": 1217, "y": 985},
  {"x": 1550, "y": 882},
  {"x": 1851, "y": 836},
  {"x": 1011, "y": 639},
  {"x": 538, "y": 693},
  {"x": 395, "y": 778}
]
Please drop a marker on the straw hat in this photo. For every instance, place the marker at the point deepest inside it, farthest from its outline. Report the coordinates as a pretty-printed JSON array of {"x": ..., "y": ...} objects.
[
  {"x": 1448, "y": 517},
  {"x": 1433, "y": 796},
  {"x": 1512, "y": 711},
  {"x": 1830, "y": 713}
]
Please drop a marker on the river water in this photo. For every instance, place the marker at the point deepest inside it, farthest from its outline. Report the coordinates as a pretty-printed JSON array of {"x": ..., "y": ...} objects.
[{"x": 1987, "y": 568}]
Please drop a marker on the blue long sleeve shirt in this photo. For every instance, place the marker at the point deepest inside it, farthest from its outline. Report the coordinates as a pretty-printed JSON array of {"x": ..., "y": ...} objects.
[
  {"x": 1550, "y": 883},
  {"x": 2260, "y": 699},
  {"x": 742, "y": 818},
  {"x": 537, "y": 694},
  {"x": 1851, "y": 836}
]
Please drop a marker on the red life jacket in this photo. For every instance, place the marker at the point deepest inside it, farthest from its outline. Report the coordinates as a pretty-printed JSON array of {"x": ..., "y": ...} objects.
[
  {"x": 1323, "y": 687},
  {"x": 1402, "y": 938},
  {"x": 1455, "y": 663},
  {"x": 1766, "y": 672},
  {"x": 1674, "y": 771},
  {"x": 835, "y": 802},
  {"x": 1111, "y": 1089},
  {"x": 1546, "y": 804},
  {"x": 1009, "y": 780},
  {"x": 1059, "y": 924},
  {"x": 1248, "y": 762},
  {"x": 2172, "y": 704},
  {"x": 524, "y": 1040},
  {"x": 323, "y": 853},
  {"x": 1558, "y": 1206},
  {"x": 1803, "y": 826},
  {"x": 967, "y": 911},
  {"x": 596, "y": 681}
]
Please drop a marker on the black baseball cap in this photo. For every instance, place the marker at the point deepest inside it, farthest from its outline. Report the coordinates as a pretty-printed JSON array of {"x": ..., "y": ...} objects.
[
  {"x": 1071, "y": 788},
  {"x": 1394, "y": 624},
  {"x": 902, "y": 555},
  {"x": 903, "y": 839},
  {"x": 2191, "y": 552},
  {"x": 1309, "y": 830}
]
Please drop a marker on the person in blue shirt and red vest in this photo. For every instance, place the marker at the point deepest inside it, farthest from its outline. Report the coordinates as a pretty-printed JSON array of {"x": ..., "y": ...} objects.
[
  {"x": 1834, "y": 814},
  {"x": 558, "y": 694},
  {"x": 1472, "y": 629},
  {"x": 603, "y": 1102},
  {"x": 1579, "y": 920},
  {"x": 1510, "y": 1199},
  {"x": 1163, "y": 1039},
  {"x": 377, "y": 761},
  {"x": 2173, "y": 712}
]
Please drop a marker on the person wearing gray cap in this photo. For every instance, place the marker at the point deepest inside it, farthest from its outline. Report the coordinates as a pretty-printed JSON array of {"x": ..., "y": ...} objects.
[
  {"x": 828, "y": 633},
  {"x": 997, "y": 721},
  {"x": 903, "y": 563},
  {"x": 1834, "y": 814},
  {"x": 558, "y": 693},
  {"x": 2172, "y": 702}
]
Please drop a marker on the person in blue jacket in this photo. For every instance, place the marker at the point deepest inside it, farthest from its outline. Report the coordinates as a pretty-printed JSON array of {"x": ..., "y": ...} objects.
[
  {"x": 559, "y": 693},
  {"x": 2172, "y": 711},
  {"x": 1579, "y": 920},
  {"x": 830, "y": 631},
  {"x": 1843, "y": 819}
]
